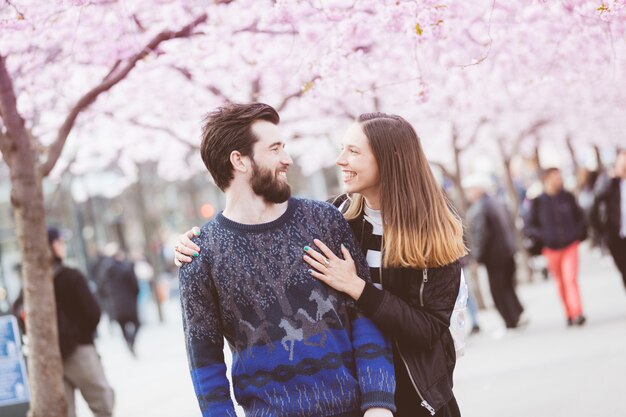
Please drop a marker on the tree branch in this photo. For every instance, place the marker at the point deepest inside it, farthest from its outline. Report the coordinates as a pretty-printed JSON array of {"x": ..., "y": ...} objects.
[
  {"x": 444, "y": 170},
  {"x": 90, "y": 97},
  {"x": 572, "y": 153},
  {"x": 255, "y": 89},
  {"x": 213, "y": 89},
  {"x": 474, "y": 136},
  {"x": 306, "y": 87},
  {"x": 531, "y": 130},
  {"x": 254, "y": 28},
  {"x": 598, "y": 155},
  {"x": 163, "y": 129},
  {"x": 537, "y": 156},
  {"x": 113, "y": 69},
  {"x": 11, "y": 119}
]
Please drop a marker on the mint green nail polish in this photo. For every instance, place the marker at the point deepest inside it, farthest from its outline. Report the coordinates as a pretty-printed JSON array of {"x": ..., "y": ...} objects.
[
  {"x": 306, "y": 248},
  {"x": 196, "y": 254},
  {"x": 197, "y": 233}
]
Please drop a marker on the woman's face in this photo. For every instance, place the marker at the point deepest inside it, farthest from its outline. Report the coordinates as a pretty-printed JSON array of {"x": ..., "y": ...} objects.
[{"x": 358, "y": 164}]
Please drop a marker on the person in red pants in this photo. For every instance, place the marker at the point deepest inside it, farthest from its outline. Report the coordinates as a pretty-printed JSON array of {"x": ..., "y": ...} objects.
[{"x": 557, "y": 221}]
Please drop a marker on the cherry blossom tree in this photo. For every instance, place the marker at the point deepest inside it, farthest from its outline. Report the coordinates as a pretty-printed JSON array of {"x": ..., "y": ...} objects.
[
  {"x": 39, "y": 48},
  {"x": 84, "y": 82}
]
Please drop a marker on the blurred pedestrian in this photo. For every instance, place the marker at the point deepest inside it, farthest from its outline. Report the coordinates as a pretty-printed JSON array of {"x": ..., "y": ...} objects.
[
  {"x": 145, "y": 276},
  {"x": 586, "y": 199},
  {"x": 122, "y": 289},
  {"x": 492, "y": 243},
  {"x": 472, "y": 305},
  {"x": 78, "y": 315},
  {"x": 556, "y": 221},
  {"x": 98, "y": 270},
  {"x": 609, "y": 214}
]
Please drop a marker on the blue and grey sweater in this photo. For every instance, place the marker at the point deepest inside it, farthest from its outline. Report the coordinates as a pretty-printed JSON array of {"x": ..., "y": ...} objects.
[{"x": 299, "y": 347}]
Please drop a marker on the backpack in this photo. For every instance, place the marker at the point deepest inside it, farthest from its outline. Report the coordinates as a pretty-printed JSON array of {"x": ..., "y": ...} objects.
[{"x": 458, "y": 328}]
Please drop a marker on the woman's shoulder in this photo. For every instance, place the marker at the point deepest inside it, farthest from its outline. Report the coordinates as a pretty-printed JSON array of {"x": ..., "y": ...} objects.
[
  {"x": 452, "y": 266},
  {"x": 448, "y": 272},
  {"x": 339, "y": 201}
]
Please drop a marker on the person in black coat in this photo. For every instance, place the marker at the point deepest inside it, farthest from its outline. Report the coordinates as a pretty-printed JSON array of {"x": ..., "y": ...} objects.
[
  {"x": 492, "y": 243},
  {"x": 608, "y": 214},
  {"x": 122, "y": 289},
  {"x": 78, "y": 315}
]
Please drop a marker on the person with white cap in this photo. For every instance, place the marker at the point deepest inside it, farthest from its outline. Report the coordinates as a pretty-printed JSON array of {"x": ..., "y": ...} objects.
[{"x": 492, "y": 243}]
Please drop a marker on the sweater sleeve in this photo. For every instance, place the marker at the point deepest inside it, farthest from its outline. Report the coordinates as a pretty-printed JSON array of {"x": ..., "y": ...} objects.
[
  {"x": 415, "y": 327},
  {"x": 204, "y": 339},
  {"x": 372, "y": 350}
]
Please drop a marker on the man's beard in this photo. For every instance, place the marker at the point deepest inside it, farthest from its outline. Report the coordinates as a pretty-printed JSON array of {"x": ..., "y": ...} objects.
[{"x": 266, "y": 184}]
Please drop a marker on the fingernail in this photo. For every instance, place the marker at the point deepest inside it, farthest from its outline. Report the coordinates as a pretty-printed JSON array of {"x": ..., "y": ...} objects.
[
  {"x": 195, "y": 254},
  {"x": 197, "y": 233},
  {"x": 310, "y": 271},
  {"x": 306, "y": 248},
  {"x": 343, "y": 246}
]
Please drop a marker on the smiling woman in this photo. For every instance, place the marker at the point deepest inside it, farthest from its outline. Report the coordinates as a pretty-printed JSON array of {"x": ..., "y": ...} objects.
[{"x": 412, "y": 241}]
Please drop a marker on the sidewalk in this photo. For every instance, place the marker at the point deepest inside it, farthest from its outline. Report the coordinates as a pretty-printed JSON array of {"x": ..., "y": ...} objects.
[{"x": 546, "y": 369}]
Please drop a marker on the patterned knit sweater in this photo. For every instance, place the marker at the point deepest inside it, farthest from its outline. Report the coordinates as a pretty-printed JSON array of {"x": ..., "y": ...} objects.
[{"x": 300, "y": 348}]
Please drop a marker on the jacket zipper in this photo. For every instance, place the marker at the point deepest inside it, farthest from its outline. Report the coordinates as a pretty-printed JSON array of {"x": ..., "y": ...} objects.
[
  {"x": 424, "y": 281},
  {"x": 424, "y": 403}
]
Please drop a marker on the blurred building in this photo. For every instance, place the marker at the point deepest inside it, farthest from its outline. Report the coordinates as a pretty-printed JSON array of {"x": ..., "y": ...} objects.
[{"x": 143, "y": 218}]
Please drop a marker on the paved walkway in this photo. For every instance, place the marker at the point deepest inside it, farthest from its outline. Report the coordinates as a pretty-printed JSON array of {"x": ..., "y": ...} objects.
[{"x": 548, "y": 369}]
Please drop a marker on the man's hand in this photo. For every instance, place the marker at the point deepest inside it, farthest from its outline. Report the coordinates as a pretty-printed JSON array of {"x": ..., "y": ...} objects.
[
  {"x": 378, "y": 412},
  {"x": 186, "y": 250}
]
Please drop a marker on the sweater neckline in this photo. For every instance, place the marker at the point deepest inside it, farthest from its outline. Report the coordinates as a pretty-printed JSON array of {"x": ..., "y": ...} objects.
[{"x": 261, "y": 227}]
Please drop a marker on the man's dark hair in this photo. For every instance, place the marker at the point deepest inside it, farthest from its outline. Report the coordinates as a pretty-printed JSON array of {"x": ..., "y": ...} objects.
[
  {"x": 548, "y": 171},
  {"x": 228, "y": 129}
]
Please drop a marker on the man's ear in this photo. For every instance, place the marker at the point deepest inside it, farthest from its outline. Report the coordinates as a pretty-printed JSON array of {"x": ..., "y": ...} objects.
[{"x": 239, "y": 161}]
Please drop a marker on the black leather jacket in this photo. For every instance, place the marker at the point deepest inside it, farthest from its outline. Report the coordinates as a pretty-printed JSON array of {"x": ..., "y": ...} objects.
[{"x": 414, "y": 310}]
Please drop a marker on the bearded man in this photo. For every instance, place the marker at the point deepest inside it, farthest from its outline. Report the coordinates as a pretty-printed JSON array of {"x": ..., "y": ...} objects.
[{"x": 299, "y": 347}]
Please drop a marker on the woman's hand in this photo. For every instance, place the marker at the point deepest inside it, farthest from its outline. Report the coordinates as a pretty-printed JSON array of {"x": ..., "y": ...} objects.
[
  {"x": 186, "y": 250},
  {"x": 338, "y": 273}
]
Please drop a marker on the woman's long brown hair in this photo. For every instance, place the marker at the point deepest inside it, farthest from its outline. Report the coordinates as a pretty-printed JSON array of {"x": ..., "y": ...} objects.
[{"x": 421, "y": 229}]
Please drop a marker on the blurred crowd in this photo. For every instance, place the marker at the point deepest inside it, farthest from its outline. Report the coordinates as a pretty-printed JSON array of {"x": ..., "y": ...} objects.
[{"x": 552, "y": 221}]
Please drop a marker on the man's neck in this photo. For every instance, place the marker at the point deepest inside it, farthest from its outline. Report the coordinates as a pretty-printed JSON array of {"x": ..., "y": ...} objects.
[{"x": 245, "y": 207}]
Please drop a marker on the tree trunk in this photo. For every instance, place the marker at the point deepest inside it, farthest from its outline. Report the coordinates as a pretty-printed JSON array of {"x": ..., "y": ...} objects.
[
  {"x": 575, "y": 165},
  {"x": 599, "y": 164},
  {"x": 519, "y": 236},
  {"x": 150, "y": 230},
  {"x": 44, "y": 359},
  {"x": 463, "y": 208}
]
